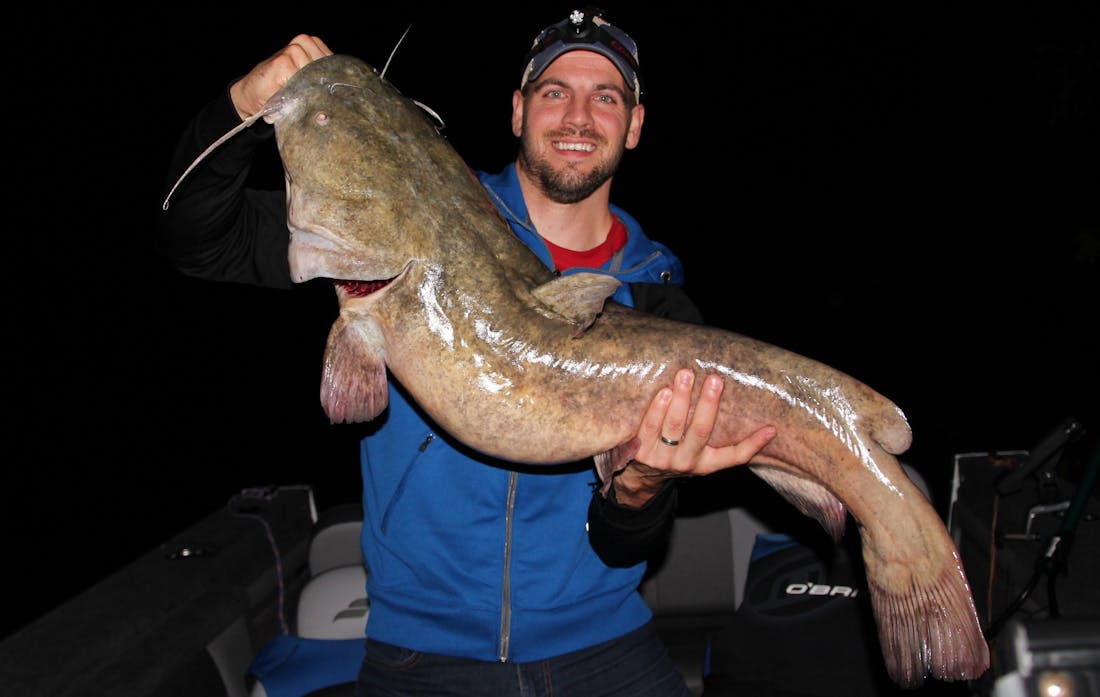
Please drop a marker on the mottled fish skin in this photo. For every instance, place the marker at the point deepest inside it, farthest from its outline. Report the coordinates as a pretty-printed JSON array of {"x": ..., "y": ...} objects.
[{"x": 525, "y": 366}]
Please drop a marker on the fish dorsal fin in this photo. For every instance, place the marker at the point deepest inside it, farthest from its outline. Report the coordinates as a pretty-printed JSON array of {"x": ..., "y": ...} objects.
[{"x": 578, "y": 297}]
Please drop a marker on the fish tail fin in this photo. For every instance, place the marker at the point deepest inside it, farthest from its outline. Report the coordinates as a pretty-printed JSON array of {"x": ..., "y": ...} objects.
[
  {"x": 809, "y": 497},
  {"x": 927, "y": 623}
]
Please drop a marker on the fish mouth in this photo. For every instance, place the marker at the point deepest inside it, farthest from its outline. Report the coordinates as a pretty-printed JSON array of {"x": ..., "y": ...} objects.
[
  {"x": 355, "y": 288},
  {"x": 360, "y": 289},
  {"x": 315, "y": 253}
]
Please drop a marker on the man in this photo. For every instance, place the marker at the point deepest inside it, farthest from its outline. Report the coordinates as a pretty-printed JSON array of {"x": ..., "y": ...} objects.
[{"x": 482, "y": 576}]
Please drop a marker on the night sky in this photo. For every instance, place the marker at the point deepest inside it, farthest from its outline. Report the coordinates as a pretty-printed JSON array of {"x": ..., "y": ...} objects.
[{"x": 906, "y": 194}]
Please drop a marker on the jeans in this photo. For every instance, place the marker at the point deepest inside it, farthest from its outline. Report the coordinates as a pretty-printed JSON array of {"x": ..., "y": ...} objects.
[{"x": 634, "y": 665}]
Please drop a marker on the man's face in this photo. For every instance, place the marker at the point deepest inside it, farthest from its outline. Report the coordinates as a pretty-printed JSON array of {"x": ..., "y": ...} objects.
[{"x": 575, "y": 125}]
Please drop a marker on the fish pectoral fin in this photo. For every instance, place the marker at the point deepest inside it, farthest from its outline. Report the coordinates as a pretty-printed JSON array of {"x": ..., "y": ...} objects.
[
  {"x": 809, "y": 497},
  {"x": 578, "y": 297},
  {"x": 353, "y": 384}
]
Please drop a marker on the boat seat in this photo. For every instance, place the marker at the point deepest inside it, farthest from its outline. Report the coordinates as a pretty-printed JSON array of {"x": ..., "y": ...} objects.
[{"x": 322, "y": 658}]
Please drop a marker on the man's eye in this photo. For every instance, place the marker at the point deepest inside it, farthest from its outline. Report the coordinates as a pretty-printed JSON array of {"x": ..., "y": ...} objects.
[
  {"x": 556, "y": 94},
  {"x": 606, "y": 98}
]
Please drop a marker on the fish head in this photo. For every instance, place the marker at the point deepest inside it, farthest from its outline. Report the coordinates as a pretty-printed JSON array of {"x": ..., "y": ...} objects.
[{"x": 360, "y": 159}]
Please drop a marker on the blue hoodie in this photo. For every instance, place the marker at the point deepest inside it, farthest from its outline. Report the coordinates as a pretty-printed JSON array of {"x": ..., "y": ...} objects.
[{"x": 474, "y": 557}]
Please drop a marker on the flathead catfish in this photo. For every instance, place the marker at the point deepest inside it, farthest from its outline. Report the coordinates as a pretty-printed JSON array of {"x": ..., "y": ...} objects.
[{"x": 435, "y": 290}]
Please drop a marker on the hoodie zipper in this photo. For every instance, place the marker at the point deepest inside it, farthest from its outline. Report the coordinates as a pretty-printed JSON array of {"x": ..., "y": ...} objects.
[{"x": 506, "y": 585}]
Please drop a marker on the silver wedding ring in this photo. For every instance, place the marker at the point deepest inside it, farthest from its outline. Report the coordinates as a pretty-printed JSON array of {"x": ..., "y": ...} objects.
[{"x": 668, "y": 441}]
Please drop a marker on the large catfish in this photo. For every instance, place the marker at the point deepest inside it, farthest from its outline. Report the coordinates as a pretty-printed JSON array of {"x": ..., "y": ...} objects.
[{"x": 435, "y": 289}]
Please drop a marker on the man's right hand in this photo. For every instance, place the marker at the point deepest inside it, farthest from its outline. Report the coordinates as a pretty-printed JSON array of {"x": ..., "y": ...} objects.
[{"x": 251, "y": 92}]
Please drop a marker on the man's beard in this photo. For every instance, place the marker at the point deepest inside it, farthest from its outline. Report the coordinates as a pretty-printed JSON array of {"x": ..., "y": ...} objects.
[{"x": 567, "y": 185}]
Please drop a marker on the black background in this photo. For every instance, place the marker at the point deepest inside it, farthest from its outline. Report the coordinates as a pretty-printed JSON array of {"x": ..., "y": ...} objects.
[{"x": 907, "y": 194}]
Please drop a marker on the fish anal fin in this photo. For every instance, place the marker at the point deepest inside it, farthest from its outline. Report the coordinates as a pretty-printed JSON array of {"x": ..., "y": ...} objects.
[
  {"x": 578, "y": 297},
  {"x": 929, "y": 626},
  {"x": 354, "y": 383},
  {"x": 809, "y": 497}
]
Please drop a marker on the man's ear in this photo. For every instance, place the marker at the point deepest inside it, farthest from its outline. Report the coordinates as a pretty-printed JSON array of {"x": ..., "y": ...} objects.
[
  {"x": 634, "y": 130},
  {"x": 517, "y": 113}
]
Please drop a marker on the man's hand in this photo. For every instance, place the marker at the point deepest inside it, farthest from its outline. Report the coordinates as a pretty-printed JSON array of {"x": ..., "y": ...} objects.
[
  {"x": 251, "y": 92},
  {"x": 684, "y": 451}
]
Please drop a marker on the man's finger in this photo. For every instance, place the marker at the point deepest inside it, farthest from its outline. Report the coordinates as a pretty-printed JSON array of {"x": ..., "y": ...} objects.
[
  {"x": 674, "y": 428},
  {"x": 706, "y": 410},
  {"x": 716, "y": 459}
]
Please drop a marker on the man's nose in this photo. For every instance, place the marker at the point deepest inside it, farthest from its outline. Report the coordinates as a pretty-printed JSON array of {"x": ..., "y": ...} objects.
[{"x": 579, "y": 112}]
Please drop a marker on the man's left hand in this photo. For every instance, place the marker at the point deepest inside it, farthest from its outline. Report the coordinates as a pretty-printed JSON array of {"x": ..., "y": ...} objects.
[{"x": 668, "y": 445}]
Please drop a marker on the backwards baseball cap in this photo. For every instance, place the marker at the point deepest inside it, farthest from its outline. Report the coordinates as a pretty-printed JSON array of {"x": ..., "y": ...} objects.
[{"x": 584, "y": 30}]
